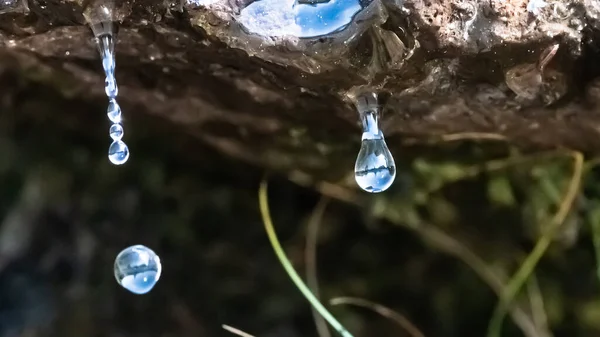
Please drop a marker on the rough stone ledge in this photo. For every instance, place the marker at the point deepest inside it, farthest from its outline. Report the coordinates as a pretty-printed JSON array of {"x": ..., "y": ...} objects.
[{"x": 442, "y": 67}]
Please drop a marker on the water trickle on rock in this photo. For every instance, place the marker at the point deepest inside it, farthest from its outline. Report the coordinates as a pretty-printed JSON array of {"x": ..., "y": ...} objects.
[
  {"x": 137, "y": 269},
  {"x": 375, "y": 169},
  {"x": 101, "y": 22},
  {"x": 300, "y": 18}
]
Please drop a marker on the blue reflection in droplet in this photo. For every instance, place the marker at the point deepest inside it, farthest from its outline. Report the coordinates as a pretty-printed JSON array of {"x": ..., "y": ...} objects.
[
  {"x": 118, "y": 152},
  {"x": 137, "y": 269},
  {"x": 326, "y": 17},
  {"x": 114, "y": 111},
  {"x": 116, "y": 131},
  {"x": 375, "y": 169},
  {"x": 299, "y": 19}
]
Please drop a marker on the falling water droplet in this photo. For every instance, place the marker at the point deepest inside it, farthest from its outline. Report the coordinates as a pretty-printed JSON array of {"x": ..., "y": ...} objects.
[
  {"x": 118, "y": 152},
  {"x": 137, "y": 269},
  {"x": 114, "y": 111},
  {"x": 110, "y": 87},
  {"x": 375, "y": 169},
  {"x": 116, "y": 131}
]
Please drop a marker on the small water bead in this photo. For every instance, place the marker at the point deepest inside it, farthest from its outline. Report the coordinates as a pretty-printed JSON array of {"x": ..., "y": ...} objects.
[
  {"x": 137, "y": 269},
  {"x": 116, "y": 131},
  {"x": 114, "y": 111},
  {"x": 118, "y": 152},
  {"x": 375, "y": 169},
  {"x": 110, "y": 87}
]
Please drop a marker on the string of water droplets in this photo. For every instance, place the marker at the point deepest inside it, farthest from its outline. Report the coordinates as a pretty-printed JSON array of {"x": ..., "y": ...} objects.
[
  {"x": 118, "y": 152},
  {"x": 375, "y": 169}
]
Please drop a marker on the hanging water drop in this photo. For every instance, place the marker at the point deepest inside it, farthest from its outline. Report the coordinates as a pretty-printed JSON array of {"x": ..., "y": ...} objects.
[
  {"x": 118, "y": 152},
  {"x": 106, "y": 47},
  {"x": 100, "y": 20},
  {"x": 375, "y": 169},
  {"x": 137, "y": 269},
  {"x": 116, "y": 131}
]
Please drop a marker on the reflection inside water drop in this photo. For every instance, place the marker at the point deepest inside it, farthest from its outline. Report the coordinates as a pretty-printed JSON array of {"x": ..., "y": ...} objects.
[
  {"x": 113, "y": 111},
  {"x": 116, "y": 131},
  {"x": 375, "y": 169},
  {"x": 118, "y": 152},
  {"x": 301, "y": 19},
  {"x": 137, "y": 269}
]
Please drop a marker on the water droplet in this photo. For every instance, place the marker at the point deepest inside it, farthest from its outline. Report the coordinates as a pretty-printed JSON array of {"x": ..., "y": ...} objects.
[
  {"x": 118, "y": 152},
  {"x": 375, "y": 169},
  {"x": 304, "y": 19},
  {"x": 137, "y": 269},
  {"x": 535, "y": 6},
  {"x": 116, "y": 131},
  {"x": 114, "y": 111},
  {"x": 110, "y": 87}
]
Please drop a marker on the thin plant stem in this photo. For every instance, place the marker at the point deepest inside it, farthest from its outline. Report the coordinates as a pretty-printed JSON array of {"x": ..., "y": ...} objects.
[
  {"x": 443, "y": 241},
  {"x": 450, "y": 245},
  {"x": 538, "y": 309},
  {"x": 596, "y": 242},
  {"x": 594, "y": 217},
  {"x": 236, "y": 331},
  {"x": 454, "y": 247},
  {"x": 384, "y": 311},
  {"x": 268, "y": 223},
  {"x": 312, "y": 279},
  {"x": 594, "y": 220},
  {"x": 523, "y": 273}
]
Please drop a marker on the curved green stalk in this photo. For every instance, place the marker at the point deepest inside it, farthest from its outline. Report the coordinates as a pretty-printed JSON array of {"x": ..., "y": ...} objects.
[
  {"x": 266, "y": 217},
  {"x": 526, "y": 269}
]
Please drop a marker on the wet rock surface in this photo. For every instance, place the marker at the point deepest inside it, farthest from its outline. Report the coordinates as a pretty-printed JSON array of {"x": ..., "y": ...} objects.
[{"x": 282, "y": 102}]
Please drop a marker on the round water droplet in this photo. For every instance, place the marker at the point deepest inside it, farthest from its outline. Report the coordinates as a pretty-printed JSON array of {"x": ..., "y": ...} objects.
[
  {"x": 118, "y": 152},
  {"x": 375, "y": 169},
  {"x": 116, "y": 131},
  {"x": 137, "y": 269},
  {"x": 110, "y": 87},
  {"x": 114, "y": 111}
]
